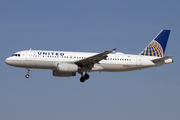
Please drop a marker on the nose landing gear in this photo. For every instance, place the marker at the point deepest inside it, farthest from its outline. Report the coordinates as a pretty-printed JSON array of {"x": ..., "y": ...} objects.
[{"x": 27, "y": 75}]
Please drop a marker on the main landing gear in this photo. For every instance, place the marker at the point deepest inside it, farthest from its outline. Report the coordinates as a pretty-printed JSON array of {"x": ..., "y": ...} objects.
[
  {"x": 27, "y": 75},
  {"x": 84, "y": 78}
]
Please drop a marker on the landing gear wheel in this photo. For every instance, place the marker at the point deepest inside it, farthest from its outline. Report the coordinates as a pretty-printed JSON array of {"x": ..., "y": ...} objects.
[
  {"x": 82, "y": 79},
  {"x": 27, "y": 75},
  {"x": 86, "y": 76}
]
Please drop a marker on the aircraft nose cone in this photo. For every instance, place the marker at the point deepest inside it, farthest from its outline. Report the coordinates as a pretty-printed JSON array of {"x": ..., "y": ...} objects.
[{"x": 8, "y": 61}]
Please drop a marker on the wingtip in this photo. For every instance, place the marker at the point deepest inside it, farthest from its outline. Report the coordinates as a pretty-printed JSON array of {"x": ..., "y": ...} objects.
[{"x": 114, "y": 49}]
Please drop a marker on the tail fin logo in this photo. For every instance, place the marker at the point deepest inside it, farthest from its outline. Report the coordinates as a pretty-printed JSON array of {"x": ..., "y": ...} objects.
[
  {"x": 158, "y": 45},
  {"x": 153, "y": 49}
]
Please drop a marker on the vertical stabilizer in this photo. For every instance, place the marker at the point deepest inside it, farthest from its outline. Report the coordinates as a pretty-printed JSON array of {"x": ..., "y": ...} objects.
[{"x": 158, "y": 45}]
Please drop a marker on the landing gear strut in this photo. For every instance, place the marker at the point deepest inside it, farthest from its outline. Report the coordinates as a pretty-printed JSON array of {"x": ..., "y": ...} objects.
[
  {"x": 84, "y": 78},
  {"x": 27, "y": 75}
]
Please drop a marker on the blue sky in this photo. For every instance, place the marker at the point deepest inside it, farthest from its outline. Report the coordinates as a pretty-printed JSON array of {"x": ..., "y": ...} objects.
[{"x": 91, "y": 26}]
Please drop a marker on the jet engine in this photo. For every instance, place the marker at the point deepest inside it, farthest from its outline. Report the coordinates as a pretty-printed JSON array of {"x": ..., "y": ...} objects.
[
  {"x": 67, "y": 67},
  {"x": 65, "y": 70},
  {"x": 63, "y": 74}
]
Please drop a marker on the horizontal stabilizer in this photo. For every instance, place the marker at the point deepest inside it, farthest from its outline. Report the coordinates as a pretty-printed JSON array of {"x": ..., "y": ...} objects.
[{"x": 161, "y": 59}]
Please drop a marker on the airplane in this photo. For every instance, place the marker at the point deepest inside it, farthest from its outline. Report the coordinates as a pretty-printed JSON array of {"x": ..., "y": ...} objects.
[{"x": 67, "y": 64}]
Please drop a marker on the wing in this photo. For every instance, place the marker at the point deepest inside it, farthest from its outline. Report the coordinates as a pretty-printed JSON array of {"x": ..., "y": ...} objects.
[{"x": 90, "y": 61}]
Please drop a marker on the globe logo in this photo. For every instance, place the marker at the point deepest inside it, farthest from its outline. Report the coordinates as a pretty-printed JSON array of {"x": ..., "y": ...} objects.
[{"x": 153, "y": 49}]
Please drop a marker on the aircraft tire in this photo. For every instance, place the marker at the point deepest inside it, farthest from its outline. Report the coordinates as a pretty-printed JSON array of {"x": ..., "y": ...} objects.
[
  {"x": 27, "y": 75},
  {"x": 82, "y": 79},
  {"x": 86, "y": 76}
]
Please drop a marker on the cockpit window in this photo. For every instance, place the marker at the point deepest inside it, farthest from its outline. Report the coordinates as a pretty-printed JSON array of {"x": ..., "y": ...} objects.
[{"x": 16, "y": 55}]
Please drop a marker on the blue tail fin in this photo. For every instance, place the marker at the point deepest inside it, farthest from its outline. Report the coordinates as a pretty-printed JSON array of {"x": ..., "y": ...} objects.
[{"x": 158, "y": 45}]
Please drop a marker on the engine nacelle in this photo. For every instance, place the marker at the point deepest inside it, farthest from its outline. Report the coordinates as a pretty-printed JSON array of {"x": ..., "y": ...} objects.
[
  {"x": 63, "y": 74},
  {"x": 67, "y": 67}
]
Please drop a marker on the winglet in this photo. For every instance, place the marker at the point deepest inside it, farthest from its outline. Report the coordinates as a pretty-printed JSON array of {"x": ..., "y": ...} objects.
[{"x": 113, "y": 50}]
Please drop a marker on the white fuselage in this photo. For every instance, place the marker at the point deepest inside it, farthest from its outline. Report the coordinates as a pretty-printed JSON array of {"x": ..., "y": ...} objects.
[
  {"x": 67, "y": 64},
  {"x": 118, "y": 62}
]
